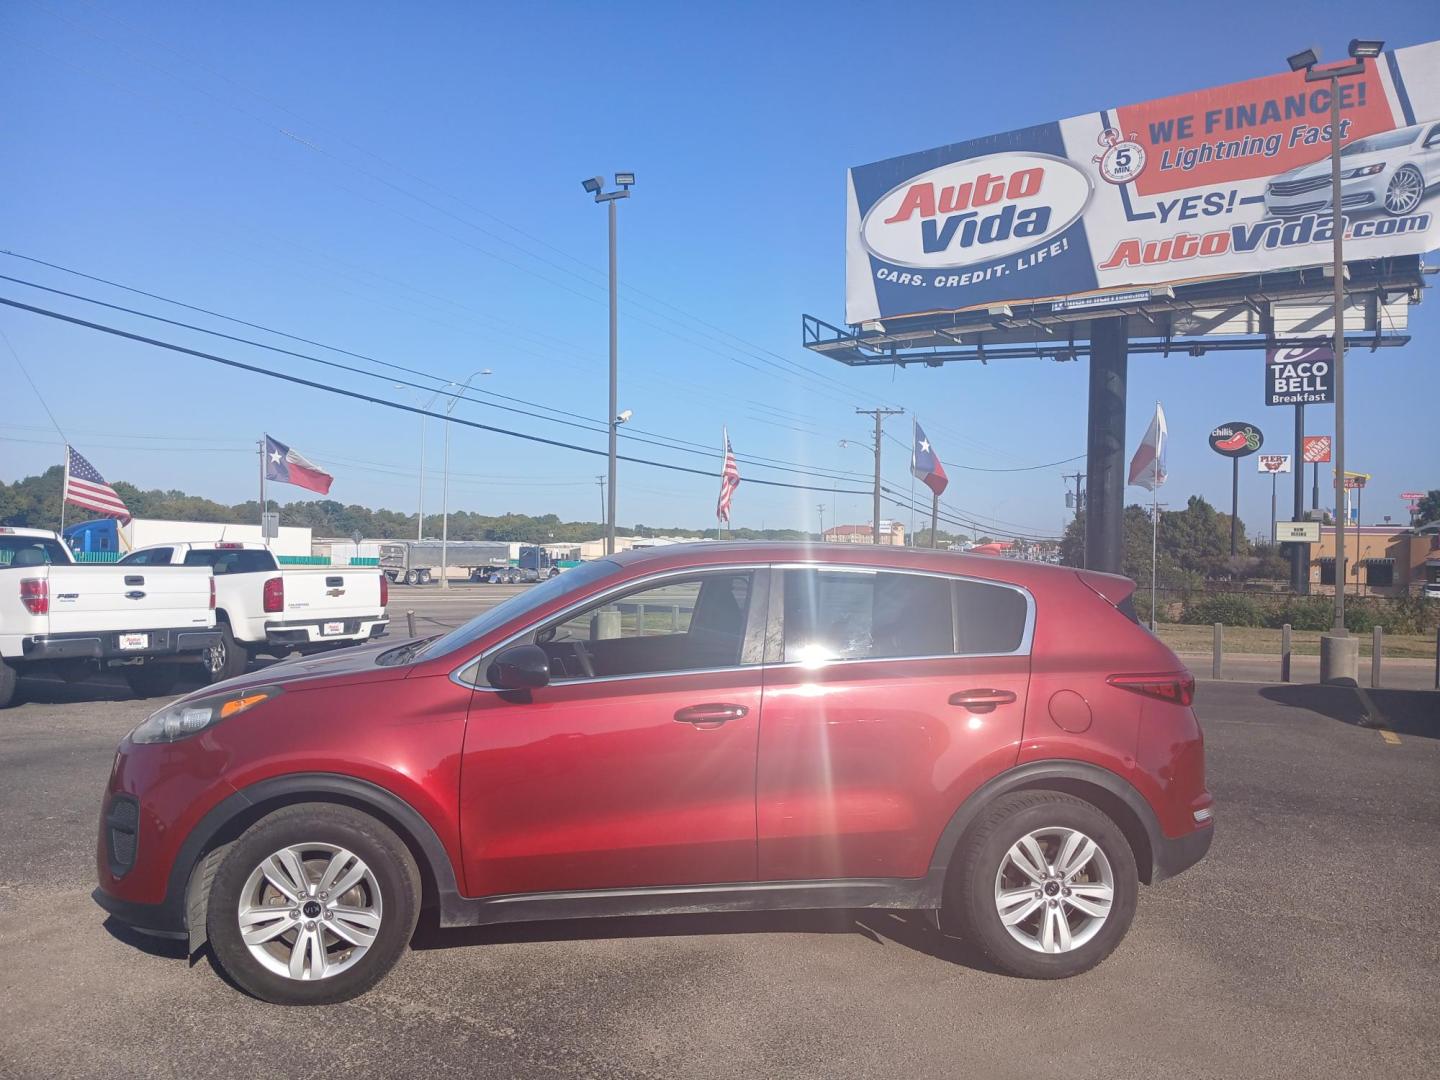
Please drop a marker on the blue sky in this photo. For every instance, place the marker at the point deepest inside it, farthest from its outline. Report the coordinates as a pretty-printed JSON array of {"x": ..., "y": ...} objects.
[{"x": 402, "y": 181}]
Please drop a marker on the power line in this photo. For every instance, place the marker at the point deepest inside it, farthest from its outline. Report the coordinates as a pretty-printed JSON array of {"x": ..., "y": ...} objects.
[
  {"x": 39, "y": 396},
  {"x": 584, "y": 423},
  {"x": 400, "y": 406},
  {"x": 977, "y": 468}
]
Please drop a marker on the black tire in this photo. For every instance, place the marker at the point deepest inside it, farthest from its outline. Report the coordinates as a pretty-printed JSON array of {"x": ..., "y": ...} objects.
[
  {"x": 225, "y": 659},
  {"x": 971, "y": 894},
  {"x": 9, "y": 680},
  {"x": 152, "y": 680},
  {"x": 382, "y": 851},
  {"x": 412, "y": 577}
]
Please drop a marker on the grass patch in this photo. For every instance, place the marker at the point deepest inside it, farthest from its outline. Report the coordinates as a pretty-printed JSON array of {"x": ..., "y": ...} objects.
[{"x": 1266, "y": 642}]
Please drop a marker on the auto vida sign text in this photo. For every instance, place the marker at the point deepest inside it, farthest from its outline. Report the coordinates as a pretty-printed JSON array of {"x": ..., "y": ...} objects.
[{"x": 1300, "y": 375}]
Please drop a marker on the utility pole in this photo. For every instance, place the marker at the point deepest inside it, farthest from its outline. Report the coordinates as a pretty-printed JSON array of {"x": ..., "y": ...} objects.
[
  {"x": 821, "y": 508},
  {"x": 879, "y": 415},
  {"x": 1079, "y": 505}
]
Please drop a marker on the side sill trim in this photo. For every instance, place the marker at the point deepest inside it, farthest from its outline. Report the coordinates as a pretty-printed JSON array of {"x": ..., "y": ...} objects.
[{"x": 898, "y": 893}]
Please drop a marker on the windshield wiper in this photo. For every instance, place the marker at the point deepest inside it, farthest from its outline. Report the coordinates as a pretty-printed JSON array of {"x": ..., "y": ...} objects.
[{"x": 403, "y": 654}]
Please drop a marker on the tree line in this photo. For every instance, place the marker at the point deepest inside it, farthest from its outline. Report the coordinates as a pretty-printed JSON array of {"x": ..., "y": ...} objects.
[{"x": 34, "y": 502}]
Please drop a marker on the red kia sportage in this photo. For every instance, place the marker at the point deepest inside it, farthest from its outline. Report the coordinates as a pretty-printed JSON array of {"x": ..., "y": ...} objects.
[{"x": 707, "y": 727}]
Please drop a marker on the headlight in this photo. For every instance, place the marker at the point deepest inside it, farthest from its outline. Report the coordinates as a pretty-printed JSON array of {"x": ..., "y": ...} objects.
[
  {"x": 181, "y": 719},
  {"x": 1368, "y": 170}
]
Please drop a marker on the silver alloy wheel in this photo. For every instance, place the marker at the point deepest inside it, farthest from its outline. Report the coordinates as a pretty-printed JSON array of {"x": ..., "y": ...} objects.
[
  {"x": 1405, "y": 190},
  {"x": 215, "y": 657},
  {"x": 310, "y": 911},
  {"x": 1054, "y": 890}
]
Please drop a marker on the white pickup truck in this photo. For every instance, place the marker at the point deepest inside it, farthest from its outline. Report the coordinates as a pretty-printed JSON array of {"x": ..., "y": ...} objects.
[
  {"x": 262, "y": 608},
  {"x": 68, "y": 619}
]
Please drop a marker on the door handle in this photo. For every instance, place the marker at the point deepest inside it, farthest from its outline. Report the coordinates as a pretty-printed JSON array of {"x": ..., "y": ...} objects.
[
  {"x": 982, "y": 701},
  {"x": 710, "y": 715}
]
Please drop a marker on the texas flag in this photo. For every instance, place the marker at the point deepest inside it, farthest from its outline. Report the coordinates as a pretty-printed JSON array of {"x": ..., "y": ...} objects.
[
  {"x": 925, "y": 464},
  {"x": 1147, "y": 467},
  {"x": 291, "y": 467}
]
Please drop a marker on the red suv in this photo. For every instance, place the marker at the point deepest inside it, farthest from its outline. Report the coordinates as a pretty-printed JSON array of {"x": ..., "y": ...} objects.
[{"x": 707, "y": 727}]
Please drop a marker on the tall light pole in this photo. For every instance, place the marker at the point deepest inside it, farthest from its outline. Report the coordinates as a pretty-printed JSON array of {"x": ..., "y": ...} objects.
[
  {"x": 445, "y": 482},
  {"x": 595, "y": 186},
  {"x": 1339, "y": 653},
  {"x": 420, "y": 477}
]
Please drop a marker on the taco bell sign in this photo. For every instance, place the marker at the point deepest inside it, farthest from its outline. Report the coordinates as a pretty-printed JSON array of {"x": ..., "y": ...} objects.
[{"x": 1300, "y": 375}]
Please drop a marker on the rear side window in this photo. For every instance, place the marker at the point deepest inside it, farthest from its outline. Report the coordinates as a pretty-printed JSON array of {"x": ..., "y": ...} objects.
[
  {"x": 153, "y": 557},
  {"x": 989, "y": 618},
  {"x": 22, "y": 551},
  {"x": 233, "y": 561},
  {"x": 844, "y": 615}
]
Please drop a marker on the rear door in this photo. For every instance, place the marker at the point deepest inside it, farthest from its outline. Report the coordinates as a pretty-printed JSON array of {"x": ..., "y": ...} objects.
[{"x": 888, "y": 698}]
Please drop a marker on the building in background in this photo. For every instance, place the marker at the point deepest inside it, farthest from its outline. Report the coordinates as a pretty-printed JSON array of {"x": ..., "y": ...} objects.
[
  {"x": 892, "y": 534},
  {"x": 1384, "y": 560}
]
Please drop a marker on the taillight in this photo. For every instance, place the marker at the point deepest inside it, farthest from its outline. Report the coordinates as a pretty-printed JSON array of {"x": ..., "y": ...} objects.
[
  {"x": 1176, "y": 687},
  {"x": 274, "y": 595},
  {"x": 212, "y": 593},
  {"x": 384, "y": 590},
  {"x": 35, "y": 595}
]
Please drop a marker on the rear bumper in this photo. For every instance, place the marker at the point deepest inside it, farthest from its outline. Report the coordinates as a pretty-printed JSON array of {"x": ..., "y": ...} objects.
[
  {"x": 292, "y": 635},
  {"x": 1175, "y": 856},
  {"x": 106, "y": 646}
]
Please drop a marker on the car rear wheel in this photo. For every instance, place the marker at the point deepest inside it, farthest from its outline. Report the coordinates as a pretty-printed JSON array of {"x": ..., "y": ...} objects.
[
  {"x": 1405, "y": 190},
  {"x": 226, "y": 658},
  {"x": 1046, "y": 886},
  {"x": 9, "y": 680},
  {"x": 313, "y": 905}
]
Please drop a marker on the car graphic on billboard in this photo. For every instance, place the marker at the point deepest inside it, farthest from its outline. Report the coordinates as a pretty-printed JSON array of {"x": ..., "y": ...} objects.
[{"x": 1390, "y": 173}]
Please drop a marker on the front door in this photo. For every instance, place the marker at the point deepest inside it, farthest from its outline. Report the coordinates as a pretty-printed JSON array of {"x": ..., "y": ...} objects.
[
  {"x": 895, "y": 695},
  {"x": 635, "y": 766}
]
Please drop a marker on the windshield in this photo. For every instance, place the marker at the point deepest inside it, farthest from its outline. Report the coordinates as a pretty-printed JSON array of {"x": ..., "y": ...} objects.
[
  {"x": 1386, "y": 141},
  {"x": 530, "y": 600},
  {"x": 30, "y": 551}
]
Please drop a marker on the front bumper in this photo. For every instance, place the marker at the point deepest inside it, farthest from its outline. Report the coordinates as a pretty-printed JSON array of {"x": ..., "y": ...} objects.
[
  {"x": 106, "y": 646},
  {"x": 294, "y": 635},
  {"x": 1365, "y": 193},
  {"x": 159, "y": 920}
]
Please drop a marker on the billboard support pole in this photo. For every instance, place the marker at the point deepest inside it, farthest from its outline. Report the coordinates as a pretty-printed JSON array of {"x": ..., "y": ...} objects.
[
  {"x": 1299, "y": 553},
  {"x": 1234, "y": 507},
  {"x": 1105, "y": 449}
]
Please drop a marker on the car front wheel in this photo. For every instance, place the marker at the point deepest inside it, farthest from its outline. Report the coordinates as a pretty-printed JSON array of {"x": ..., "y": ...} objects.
[
  {"x": 1046, "y": 886},
  {"x": 1405, "y": 190},
  {"x": 313, "y": 905}
]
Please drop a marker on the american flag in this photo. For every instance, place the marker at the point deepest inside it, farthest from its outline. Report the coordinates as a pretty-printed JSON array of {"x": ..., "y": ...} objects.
[
  {"x": 84, "y": 486},
  {"x": 729, "y": 481}
]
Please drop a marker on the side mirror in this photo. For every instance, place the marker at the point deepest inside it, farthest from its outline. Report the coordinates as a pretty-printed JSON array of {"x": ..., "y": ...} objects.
[{"x": 520, "y": 667}]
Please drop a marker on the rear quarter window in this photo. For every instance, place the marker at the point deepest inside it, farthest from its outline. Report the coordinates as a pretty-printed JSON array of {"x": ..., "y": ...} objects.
[{"x": 989, "y": 618}]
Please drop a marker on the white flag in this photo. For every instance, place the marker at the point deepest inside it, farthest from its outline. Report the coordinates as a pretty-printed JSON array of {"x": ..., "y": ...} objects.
[{"x": 1147, "y": 467}]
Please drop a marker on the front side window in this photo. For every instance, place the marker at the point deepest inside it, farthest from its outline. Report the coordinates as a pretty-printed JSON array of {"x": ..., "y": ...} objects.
[
  {"x": 845, "y": 615},
  {"x": 682, "y": 624}
]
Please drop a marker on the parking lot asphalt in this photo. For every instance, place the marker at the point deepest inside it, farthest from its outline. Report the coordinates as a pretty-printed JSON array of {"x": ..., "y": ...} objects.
[{"x": 1302, "y": 947}]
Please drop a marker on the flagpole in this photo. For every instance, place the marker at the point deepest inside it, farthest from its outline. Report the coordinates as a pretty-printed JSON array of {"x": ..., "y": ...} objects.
[
  {"x": 1154, "y": 529},
  {"x": 64, "y": 490},
  {"x": 261, "y": 451},
  {"x": 934, "y": 520}
]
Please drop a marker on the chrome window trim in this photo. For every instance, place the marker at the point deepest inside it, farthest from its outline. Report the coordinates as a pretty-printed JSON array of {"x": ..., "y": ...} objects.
[
  {"x": 1025, "y": 648},
  {"x": 624, "y": 586},
  {"x": 1027, "y": 633}
]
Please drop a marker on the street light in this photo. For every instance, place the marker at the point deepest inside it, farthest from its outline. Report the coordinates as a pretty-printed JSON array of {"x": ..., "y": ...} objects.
[
  {"x": 596, "y": 186},
  {"x": 1339, "y": 653},
  {"x": 420, "y": 484},
  {"x": 445, "y": 481}
]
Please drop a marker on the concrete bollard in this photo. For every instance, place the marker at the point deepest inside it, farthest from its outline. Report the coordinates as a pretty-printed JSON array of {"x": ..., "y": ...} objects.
[
  {"x": 1218, "y": 645},
  {"x": 1285, "y": 653},
  {"x": 1376, "y": 636},
  {"x": 410, "y": 621}
]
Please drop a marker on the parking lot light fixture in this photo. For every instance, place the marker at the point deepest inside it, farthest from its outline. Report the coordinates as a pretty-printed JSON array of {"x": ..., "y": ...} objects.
[
  {"x": 1339, "y": 656},
  {"x": 596, "y": 186}
]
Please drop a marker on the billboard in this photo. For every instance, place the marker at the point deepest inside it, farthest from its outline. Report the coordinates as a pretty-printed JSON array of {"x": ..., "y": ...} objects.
[
  {"x": 1300, "y": 375},
  {"x": 1217, "y": 183}
]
